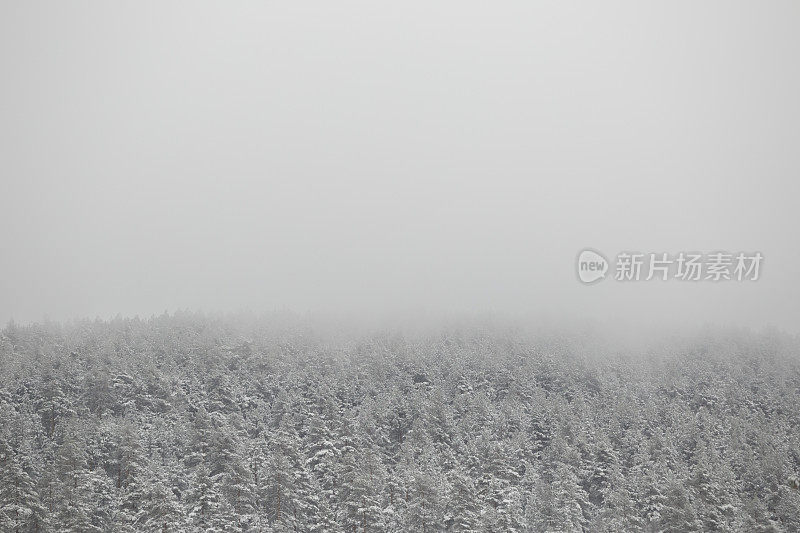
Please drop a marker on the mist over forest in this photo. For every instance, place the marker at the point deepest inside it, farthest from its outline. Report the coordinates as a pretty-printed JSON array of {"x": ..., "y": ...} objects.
[
  {"x": 189, "y": 422},
  {"x": 409, "y": 267}
]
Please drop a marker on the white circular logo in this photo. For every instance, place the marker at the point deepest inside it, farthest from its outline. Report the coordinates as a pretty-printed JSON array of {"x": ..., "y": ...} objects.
[{"x": 592, "y": 266}]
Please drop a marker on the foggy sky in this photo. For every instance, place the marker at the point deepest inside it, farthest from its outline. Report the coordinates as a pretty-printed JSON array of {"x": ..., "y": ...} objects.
[{"x": 376, "y": 157}]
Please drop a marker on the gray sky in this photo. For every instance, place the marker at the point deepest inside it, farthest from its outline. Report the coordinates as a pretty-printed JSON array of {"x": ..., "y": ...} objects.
[{"x": 408, "y": 156}]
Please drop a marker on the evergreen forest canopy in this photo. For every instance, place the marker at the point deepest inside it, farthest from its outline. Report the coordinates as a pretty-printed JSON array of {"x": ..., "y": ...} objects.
[{"x": 187, "y": 422}]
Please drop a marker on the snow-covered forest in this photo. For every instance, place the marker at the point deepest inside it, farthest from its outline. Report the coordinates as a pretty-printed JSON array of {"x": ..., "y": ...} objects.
[{"x": 196, "y": 423}]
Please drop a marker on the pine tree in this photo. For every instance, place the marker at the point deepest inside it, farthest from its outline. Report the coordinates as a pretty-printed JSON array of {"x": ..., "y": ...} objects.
[
  {"x": 290, "y": 499},
  {"x": 160, "y": 510},
  {"x": 424, "y": 500},
  {"x": 462, "y": 511},
  {"x": 362, "y": 494},
  {"x": 559, "y": 501},
  {"x": 20, "y": 507},
  {"x": 678, "y": 513},
  {"x": 208, "y": 511},
  {"x": 227, "y": 461}
]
